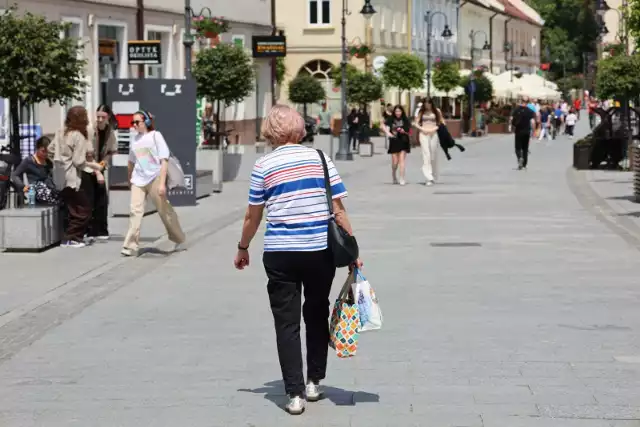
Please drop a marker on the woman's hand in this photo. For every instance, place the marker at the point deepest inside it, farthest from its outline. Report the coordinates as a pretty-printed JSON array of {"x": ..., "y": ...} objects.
[
  {"x": 357, "y": 264},
  {"x": 162, "y": 190},
  {"x": 100, "y": 177},
  {"x": 242, "y": 259}
]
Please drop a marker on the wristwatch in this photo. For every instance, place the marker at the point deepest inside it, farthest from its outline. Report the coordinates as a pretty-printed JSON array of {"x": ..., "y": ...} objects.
[{"x": 242, "y": 248}]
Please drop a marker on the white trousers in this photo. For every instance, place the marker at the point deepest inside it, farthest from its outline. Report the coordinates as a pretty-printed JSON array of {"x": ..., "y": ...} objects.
[{"x": 430, "y": 145}]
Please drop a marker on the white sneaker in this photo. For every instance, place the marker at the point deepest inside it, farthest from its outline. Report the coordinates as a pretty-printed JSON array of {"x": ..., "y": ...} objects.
[
  {"x": 102, "y": 238},
  {"x": 72, "y": 244},
  {"x": 314, "y": 392},
  {"x": 178, "y": 247},
  {"x": 429, "y": 183},
  {"x": 89, "y": 240},
  {"x": 126, "y": 252},
  {"x": 403, "y": 182},
  {"x": 295, "y": 406}
]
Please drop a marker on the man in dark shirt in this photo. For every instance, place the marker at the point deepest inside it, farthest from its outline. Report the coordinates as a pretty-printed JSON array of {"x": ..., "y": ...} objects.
[{"x": 523, "y": 121}]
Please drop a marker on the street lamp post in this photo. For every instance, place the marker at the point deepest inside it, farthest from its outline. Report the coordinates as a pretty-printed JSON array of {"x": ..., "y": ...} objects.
[
  {"x": 486, "y": 46},
  {"x": 188, "y": 39},
  {"x": 367, "y": 11},
  {"x": 446, "y": 33}
]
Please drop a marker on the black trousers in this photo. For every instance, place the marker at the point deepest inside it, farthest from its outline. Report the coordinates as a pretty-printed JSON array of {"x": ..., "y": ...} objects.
[
  {"x": 289, "y": 274},
  {"x": 570, "y": 129},
  {"x": 522, "y": 147},
  {"x": 353, "y": 138},
  {"x": 100, "y": 207}
]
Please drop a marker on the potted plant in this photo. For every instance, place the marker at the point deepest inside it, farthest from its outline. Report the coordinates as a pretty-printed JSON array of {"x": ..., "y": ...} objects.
[
  {"x": 582, "y": 153},
  {"x": 497, "y": 123},
  {"x": 360, "y": 51},
  {"x": 210, "y": 27}
]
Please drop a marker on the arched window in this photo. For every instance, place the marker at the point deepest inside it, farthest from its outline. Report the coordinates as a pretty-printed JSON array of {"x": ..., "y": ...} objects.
[{"x": 321, "y": 70}]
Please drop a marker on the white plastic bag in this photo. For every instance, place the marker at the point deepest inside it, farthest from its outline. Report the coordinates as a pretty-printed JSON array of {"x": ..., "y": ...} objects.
[{"x": 368, "y": 307}]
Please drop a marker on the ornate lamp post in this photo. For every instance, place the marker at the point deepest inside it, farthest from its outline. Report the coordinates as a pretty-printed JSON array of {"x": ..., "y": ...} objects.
[
  {"x": 472, "y": 88},
  {"x": 446, "y": 33},
  {"x": 188, "y": 39},
  {"x": 367, "y": 11}
]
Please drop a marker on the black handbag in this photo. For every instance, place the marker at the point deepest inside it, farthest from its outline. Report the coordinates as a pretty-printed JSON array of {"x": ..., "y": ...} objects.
[{"x": 342, "y": 245}]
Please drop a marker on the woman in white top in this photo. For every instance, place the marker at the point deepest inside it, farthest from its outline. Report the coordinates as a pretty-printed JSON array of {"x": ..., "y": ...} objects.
[
  {"x": 427, "y": 121},
  {"x": 148, "y": 167}
]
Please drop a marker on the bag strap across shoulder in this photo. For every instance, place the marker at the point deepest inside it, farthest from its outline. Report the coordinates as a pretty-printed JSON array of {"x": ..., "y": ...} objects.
[{"x": 327, "y": 182}]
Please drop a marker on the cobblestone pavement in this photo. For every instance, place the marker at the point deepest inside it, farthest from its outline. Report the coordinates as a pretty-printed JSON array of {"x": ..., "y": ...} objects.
[{"x": 507, "y": 304}]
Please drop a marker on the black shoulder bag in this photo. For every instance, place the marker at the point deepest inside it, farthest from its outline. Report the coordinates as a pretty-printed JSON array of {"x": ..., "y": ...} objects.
[{"x": 342, "y": 245}]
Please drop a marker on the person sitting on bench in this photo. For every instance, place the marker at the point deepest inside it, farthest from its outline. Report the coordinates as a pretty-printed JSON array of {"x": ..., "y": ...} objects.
[{"x": 38, "y": 169}]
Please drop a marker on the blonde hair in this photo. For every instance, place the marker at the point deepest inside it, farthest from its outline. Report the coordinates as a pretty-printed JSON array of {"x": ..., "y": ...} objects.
[{"x": 283, "y": 125}]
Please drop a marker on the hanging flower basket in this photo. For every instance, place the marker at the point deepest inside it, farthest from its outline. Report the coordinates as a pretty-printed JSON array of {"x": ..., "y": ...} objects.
[
  {"x": 360, "y": 51},
  {"x": 210, "y": 28}
]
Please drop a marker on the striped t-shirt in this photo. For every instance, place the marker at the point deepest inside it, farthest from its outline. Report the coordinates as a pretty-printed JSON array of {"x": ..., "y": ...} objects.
[{"x": 290, "y": 183}]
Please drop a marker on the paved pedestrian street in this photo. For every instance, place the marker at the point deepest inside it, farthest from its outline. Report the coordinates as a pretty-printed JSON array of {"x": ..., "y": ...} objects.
[{"x": 508, "y": 300}]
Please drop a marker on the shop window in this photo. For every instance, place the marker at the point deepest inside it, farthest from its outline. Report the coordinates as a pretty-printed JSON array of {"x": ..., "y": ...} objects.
[{"x": 160, "y": 71}]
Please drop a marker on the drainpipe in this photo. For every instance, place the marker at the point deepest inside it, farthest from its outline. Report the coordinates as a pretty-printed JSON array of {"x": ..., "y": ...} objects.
[
  {"x": 506, "y": 40},
  {"x": 140, "y": 32},
  {"x": 273, "y": 60},
  {"x": 460, "y": 5},
  {"x": 491, "y": 41}
]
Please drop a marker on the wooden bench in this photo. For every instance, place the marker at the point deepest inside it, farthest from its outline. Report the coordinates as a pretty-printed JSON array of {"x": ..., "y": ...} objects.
[{"x": 30, "y": 228}]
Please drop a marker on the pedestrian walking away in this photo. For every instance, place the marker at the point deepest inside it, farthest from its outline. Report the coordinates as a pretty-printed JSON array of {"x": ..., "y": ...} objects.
[
  {"x": 558, "y": 118},
  {"x": 324, "y": 121},
  {"x": 427, "y": 121},
  {"x": 545, "y": 123},
  {"x": 571, "y": 120},
  {"x": 69, "y": 151},
  {"x": 353, "y": 121},
  {"x": 397, "y": 128},
  {"x": 104, "y": 146},
  {"x": 289, "y": 183},
  {"x": 523, "y": 122},
  {"x": 147, "y": 176}
]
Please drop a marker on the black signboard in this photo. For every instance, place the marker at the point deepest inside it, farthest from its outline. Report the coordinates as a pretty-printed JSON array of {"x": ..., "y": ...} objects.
[
  {"x": 269, "y": 46},
  {"x": 146, "y": 52},
  {"x": 172, "y": 105}
]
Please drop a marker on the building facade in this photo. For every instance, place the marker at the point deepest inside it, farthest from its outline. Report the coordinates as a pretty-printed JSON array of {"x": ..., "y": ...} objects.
[
  {"x": 103, "y": 28},
  {"x": 247, "y": 18},
  {"x": 442, "y": 12},
  {"x": 313, "y": 30},
  {"x": 496, "y": 22}
]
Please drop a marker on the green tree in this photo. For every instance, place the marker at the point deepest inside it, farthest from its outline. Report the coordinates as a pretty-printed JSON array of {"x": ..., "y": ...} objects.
[
  {"x": 618, "y": 77},
  {"x": 305, "y": 89},
  {"x": 446, "y": 76},
  {"x": 570, "y": 25},
  {"x": 281, "y": 70},
  {"x": 224, "y": 74},
  {"x": 336, "y": 74},
  {"x": 403, "y": 71},
  {"x": 36, "y": 65},
  {"x": 484, "y": 87},
  {"x": 364, "y": 88}
]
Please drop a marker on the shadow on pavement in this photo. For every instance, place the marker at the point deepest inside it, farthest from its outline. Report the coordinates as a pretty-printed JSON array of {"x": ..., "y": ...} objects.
[{"x": 274, "y": 392}]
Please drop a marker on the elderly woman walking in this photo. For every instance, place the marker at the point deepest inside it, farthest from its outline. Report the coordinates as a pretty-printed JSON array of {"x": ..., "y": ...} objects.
[{"x": 289, "y": 182}]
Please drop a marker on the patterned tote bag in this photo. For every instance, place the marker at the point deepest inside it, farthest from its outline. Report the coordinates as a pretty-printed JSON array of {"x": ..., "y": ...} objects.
[{"x": 345, "y": 321}]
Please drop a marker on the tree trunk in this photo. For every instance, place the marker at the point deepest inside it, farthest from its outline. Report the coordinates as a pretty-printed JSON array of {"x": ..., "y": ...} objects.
[{"x": 14, "y": 113}]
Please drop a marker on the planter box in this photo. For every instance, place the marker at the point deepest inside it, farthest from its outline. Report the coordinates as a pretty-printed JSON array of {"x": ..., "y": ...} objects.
[
  {"x": 365, "y": 149},
  {"x": 497, "y": 128},
  {"x": 455, "y": 127},
  {"x": 582, "y": 156},
  {"x": 212, "y": 160}
]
